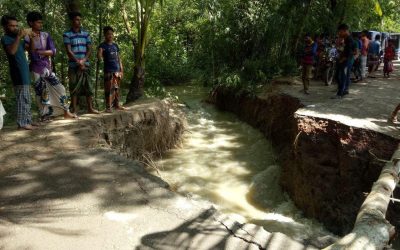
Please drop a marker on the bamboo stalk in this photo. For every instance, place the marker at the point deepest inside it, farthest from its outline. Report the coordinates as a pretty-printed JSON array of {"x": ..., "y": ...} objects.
[
  {"x": 372, "y": 230},
  {"x": 394, "y": 200},
  {"x": 100, "y": 27}
]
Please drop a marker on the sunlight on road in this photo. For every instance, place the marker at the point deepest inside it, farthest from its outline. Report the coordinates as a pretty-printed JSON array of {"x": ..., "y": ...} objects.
[{"x": 120, "y": 217}]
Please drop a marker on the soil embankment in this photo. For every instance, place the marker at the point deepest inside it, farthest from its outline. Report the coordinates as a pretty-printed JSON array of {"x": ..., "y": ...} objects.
[
  {"x": 327, "y": 165},
  {"x": 147, "y": 129}
]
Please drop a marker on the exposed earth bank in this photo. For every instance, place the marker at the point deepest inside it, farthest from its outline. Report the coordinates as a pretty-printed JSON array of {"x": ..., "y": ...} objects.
[{"x": 327, "y": 166}]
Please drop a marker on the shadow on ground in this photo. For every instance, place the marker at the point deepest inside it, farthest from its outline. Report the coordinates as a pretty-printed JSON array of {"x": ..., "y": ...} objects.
[
  {"x": 38, "y": 193},
  {"x": 209, "y": 230}
]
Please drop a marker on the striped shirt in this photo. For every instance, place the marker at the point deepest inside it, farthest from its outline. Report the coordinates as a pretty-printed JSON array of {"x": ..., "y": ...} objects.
[{"x": 79, "y": 42}]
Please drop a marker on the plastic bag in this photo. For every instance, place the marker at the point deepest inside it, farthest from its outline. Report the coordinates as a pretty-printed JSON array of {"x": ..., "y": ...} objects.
[{"x": 2, "y": 113}]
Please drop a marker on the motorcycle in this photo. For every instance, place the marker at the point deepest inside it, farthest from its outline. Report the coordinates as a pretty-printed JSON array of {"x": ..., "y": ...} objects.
[{"x": 327, "y": 65}]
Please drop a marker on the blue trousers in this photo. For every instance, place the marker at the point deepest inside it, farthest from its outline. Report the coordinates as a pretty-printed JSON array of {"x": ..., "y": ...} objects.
[{"x": 344, "y": 73}]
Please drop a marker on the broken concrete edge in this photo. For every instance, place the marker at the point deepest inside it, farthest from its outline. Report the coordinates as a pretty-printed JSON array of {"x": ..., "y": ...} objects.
[
  {"x": 148, "y": 127},
  {"x": 254, "y": 235},
  {"x": 146, "y": 134},
  {"x": 372, "y": 230},
  {"x": 326, "y": 165}
]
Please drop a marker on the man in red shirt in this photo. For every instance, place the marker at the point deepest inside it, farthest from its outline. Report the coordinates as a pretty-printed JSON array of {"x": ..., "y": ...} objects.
[{"x": 364, "y": 53}]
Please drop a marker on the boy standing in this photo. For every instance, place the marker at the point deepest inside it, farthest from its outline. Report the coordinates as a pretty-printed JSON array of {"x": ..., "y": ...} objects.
[
  {"x": 308, "y": 59},
  {"x": 113, "y": 70}
]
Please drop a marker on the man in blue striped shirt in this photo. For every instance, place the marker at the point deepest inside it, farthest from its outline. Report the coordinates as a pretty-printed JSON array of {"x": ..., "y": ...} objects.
[{"x": 79, "y": 47}]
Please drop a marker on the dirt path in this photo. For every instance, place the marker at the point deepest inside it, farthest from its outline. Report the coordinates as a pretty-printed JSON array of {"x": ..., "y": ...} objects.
[{"x": 63, "y": 187}]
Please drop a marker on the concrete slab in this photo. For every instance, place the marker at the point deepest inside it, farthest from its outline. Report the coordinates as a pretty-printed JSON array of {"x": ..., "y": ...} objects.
[
  {"x": 368, "y": 105},
  {"x": 98, "y": 200}
]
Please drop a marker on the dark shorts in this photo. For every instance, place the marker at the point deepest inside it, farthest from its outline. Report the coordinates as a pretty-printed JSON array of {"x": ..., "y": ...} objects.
[
  {"x": 388, "y": 66},
  {"x": 307, "y": 73},
  {"x": 80, "y": 82},
  {"x": 373, "y": 60},
  {"x": 111, "y": 89}
]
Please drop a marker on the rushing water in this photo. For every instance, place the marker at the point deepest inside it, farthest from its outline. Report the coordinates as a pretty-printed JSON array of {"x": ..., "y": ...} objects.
[{"x": 232, "y": 165}]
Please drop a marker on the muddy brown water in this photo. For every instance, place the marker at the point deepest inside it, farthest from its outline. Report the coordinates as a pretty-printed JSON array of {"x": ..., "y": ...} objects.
[{"x": 233, "y": 166}]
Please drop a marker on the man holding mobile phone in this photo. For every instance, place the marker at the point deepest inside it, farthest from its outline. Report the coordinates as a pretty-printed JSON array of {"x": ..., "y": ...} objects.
[{"x": 19, "y": 69}]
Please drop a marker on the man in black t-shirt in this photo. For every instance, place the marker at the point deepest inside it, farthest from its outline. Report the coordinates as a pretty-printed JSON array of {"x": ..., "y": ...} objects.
[
  {"x": 113, "y": 70},
  {"x": 345, "y": 62}
]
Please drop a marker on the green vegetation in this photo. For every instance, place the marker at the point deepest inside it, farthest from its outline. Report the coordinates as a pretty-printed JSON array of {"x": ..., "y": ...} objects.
[{"x": 234, "y": 42}]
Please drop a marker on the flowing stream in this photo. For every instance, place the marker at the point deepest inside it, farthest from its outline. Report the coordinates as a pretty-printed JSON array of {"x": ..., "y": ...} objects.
[{"x": 232, "y": 165}]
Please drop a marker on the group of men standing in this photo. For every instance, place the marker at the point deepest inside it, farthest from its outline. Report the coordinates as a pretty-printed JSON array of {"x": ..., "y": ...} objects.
[
  {"x": 50, "y": 93},
  {"x": 355, "y": 54}
]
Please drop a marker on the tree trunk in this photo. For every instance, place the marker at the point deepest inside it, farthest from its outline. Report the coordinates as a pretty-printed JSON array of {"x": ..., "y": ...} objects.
[
  {"x": 343, "y": 14},
  {"x": 72, "y": 5},
  {"x": 136, "y": 89},
  {"x": 143, "y": 16},
  {"x": 63, "y": 75},
  {"x": 100, "y": 19},
  {"x": 372, "y": 230},
  {"x": 303, "y": 24},
  {"x": 333, "y": 4},
  {"x": 43, "y": 11}
]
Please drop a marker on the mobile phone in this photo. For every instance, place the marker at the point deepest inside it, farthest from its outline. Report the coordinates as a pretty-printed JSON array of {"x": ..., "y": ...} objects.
[{"x": 28, "y": 31}]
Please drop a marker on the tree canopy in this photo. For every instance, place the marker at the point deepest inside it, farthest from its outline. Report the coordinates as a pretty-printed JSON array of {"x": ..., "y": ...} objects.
[{"x": 212, "y": 41}]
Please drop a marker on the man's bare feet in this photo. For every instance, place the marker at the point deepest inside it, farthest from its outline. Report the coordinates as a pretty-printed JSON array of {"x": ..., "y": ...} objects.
[
  {"x": 28, "y": 127},
  {"x": 120, "y": 108},
  {"x": 108, "y": 110},
  {"x": 36, "y": 124},
  {"x": 70, "y": 116},
  {"x": 93, "y": 111}
]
